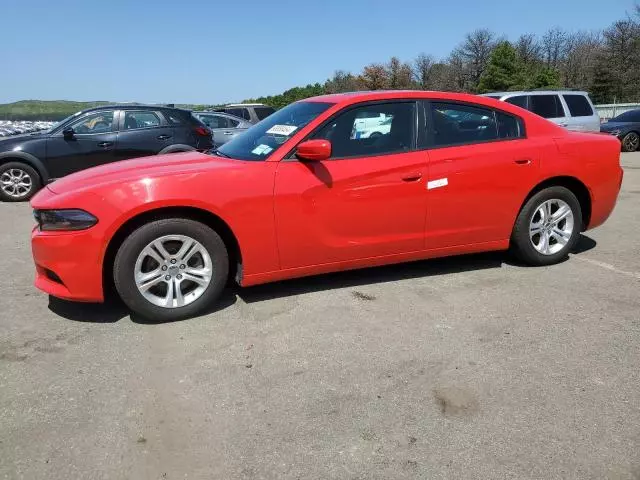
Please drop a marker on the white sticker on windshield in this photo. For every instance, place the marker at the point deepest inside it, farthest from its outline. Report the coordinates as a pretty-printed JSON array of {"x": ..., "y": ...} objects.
[
  {"x": 285, "y": 130},
  {"x": 261, "y": 149}
]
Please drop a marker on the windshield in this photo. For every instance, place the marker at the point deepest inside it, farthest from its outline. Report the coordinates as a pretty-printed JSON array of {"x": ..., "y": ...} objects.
[
  {"x": 261, "y": 140},
  {"x": 61, "y": 122}
]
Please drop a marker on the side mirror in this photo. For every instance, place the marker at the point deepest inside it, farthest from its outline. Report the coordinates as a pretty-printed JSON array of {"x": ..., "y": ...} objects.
[
  {"x": 68, "y": 133},
  {"x": 314, "y": 150}
]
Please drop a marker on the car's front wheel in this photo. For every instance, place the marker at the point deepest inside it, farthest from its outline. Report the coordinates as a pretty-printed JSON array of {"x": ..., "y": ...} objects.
[
  {"x": 630, "y": 142},
  {"x": 547, "y": 227},
  {"x": 18, "y": 182},
  {"x": 171, "y": 269}
]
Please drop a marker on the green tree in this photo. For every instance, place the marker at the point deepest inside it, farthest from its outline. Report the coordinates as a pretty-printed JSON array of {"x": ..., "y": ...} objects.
[
  {"x": 503, "y": 72},
  {"x": 603, "y": 87},
  {"x": 543, "y": 77}
]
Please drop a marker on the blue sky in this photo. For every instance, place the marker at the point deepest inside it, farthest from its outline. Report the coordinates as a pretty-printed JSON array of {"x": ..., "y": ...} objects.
[{"x": 201, "y": 51}]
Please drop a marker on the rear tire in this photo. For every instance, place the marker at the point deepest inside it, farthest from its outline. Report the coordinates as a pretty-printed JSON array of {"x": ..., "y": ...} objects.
[
  {"x": 630, "y": 142},
  {"x": 171, "y": 269},
  {"x": 547, "y": 227},
  {"x": 18, "y": 182}
]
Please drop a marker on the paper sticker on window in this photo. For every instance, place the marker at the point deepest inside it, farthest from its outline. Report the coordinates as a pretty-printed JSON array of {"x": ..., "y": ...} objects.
[
  {"x": 261, "y": 149},
  {"x": 285, "y": 130}
]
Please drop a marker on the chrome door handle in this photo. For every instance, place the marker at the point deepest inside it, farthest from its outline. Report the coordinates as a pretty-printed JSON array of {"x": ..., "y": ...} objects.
[
  {"x": 105, "y": 144},
  {"x": 163, "y": 137},
  {"x": 228, "y": 133}
]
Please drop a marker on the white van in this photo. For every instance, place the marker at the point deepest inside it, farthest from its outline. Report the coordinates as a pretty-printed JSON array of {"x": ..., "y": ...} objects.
[{"x": 569, "y": 109}]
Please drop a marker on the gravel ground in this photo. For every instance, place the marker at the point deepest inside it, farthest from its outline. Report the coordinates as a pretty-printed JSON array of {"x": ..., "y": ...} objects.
[{"x": 470, "y": 367}]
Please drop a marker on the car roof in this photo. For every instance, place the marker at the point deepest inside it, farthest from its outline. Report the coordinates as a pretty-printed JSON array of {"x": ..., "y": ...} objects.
[
  {"x": 130, "y": 106},
  {"x": 357, "y": 97},
  {"x": 534, "y": 92}
]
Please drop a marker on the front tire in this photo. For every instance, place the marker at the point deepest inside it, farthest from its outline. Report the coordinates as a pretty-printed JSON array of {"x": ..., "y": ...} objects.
[
  {"x": 171, "y": 269},
  {"x": 18, "y": 182},
  {"x": 547, "y": 227},
  {"x": 630, "y": 142}
]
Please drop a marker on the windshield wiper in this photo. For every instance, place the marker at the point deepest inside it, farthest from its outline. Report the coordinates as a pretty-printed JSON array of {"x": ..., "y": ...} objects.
[{"x": 218, "y": 153}]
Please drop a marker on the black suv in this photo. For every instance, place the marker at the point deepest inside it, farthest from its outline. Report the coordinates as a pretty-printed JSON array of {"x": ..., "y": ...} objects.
[{"x": 94, "y": 137}]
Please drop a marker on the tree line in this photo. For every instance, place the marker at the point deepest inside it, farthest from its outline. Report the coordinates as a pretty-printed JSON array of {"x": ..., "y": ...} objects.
[{"x": 605, "y": 63}]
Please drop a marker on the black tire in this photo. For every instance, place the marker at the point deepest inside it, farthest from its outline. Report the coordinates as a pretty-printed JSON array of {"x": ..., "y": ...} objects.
[
  {"x": 521, "y": 242},
  {"x": 125, "y": 261},
  {"x": 630, "y": 142},
  {"x": 176, "y": 149},
  {"x": 34, "y": 178}
]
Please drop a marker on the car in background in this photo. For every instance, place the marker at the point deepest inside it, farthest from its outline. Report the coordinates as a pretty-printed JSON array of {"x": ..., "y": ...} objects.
[
  {"x": 94, "y": 137},
  {"x": 252, "y": 112},
  {"x": 223, "y": 126},
  {"x": 298, "y": 194},
  {"x": 570, "y": 109},
  {"x": 626, "y": 127}
]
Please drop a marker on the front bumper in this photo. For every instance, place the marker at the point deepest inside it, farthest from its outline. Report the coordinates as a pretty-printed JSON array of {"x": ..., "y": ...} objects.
[{"x": 68, "y": 265}]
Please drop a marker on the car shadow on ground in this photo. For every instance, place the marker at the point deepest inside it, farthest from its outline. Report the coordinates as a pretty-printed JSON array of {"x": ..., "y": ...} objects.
[{"x": 114, "y": 310}]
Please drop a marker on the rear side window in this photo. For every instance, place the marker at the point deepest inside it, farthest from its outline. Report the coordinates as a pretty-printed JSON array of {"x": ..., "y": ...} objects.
[
  {"x": 519, "y": 101},
  {"x": 239, "y": 112},
  {"x": 263, "y": 112},
  {"x": 142, "y": 119},
  {"x": 232, "y": 123},
  {"x": 509, "y": 126},
  {"x": 455, "y": 124},
  {"x": 214, "y": 121},
  {"x": 173, "y": 118},
  {"x": 578, "y": 105},
  {"x": 547, "y": 106}
]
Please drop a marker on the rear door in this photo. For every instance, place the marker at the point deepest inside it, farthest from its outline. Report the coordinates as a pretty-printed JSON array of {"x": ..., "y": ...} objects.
[
  {"x": 93, "y": 143},
  {"x": 582, "y": 116},
  {"x": 367, "y": 200},
  {"x": 549, "y": 106},
  {"x": 222, "y": 127},
  {"x": 481, "y": 166},
  {"x": 142, "y": 133}
]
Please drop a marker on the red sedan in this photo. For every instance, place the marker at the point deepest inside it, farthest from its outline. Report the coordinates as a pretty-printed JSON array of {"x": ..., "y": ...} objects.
[{"x": 329, "y": 183}]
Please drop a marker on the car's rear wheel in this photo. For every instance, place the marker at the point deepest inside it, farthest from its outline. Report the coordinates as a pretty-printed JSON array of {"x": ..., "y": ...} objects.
[
  {"x": 18, "y": 182},
  {"x": 630, "y": 142},
  {"x": 171, "y": 269},
  {"x": 547, "y": 227}
]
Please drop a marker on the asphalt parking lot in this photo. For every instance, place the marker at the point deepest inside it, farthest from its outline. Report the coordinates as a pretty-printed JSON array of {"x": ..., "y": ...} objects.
[{"x": 470, "y": 367}]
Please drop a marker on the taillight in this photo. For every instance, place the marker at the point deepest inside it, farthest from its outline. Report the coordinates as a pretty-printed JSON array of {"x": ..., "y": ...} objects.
[{"x": 202, "y": 131}]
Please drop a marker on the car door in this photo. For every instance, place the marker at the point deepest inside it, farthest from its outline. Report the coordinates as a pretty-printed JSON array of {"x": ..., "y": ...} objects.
[
  {"x": 88, "y": 141},
  {"x": 549, "y": 106},
  {"x": 367, "y": 200},
  {"x": 142, "y": 133},
  {"x": 478, "y": 177}
]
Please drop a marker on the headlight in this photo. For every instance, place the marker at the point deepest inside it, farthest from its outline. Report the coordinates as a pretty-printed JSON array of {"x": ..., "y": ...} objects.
[{"x": 68, "y": 219}]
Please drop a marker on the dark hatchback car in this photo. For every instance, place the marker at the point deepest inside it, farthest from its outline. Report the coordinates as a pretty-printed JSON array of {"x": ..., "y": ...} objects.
[
  {"x": 94, "y": 137},
  {"x": 626, "y": 127}
]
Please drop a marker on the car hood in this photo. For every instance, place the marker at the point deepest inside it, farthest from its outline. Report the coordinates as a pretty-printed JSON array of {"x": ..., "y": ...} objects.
[
  {"x": 607, "y": 127},
  {"x": 140, "y": 168},
  {"x": 7, "y": 143}
]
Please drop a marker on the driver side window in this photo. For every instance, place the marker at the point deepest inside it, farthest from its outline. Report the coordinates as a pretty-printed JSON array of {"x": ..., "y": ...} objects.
[
  {"x": 370, "y": 130},
  {"x": 99, "y": 122}
]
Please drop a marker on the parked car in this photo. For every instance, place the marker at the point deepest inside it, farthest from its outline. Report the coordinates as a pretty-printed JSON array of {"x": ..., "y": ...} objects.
[
  {"x": 626, "y": 127},
  {"x": 223, "y": 126},
  {"x": 252, "y": 112},
  {"x": 299, "y": 195},
  {"x": 94, "y": 137},
  {"x": 570, "y": 109}
]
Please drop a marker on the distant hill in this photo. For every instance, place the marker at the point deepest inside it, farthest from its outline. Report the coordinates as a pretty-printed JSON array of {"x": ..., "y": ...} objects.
[{"x": 55, "y": 109}]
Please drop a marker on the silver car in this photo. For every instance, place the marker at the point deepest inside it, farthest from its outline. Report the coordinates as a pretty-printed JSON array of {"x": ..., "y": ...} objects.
[
  {"x": 569, "y": 109},
  {"x": 223, "y": 125}
]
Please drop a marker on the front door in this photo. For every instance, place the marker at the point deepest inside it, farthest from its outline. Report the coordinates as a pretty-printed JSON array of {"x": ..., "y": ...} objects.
[
  {"x": 481, "y": 168},
  {"x": 367, "y": 200},
  {"x": 92, "y": 143}
]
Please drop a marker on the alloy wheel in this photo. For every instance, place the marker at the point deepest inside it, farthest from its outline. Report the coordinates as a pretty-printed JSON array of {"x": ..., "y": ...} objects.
[
  {"x": 173, "y": 271},
  {"x": 631, "y": 142},
  {"x": 551, "y": 226},
  {"x": 16, "y": 183}
]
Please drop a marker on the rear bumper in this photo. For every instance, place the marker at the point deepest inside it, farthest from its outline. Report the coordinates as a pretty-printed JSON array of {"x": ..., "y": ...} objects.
[
  {"x": 604, "y": 199},
  {"x": 68, "y": 265}
]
